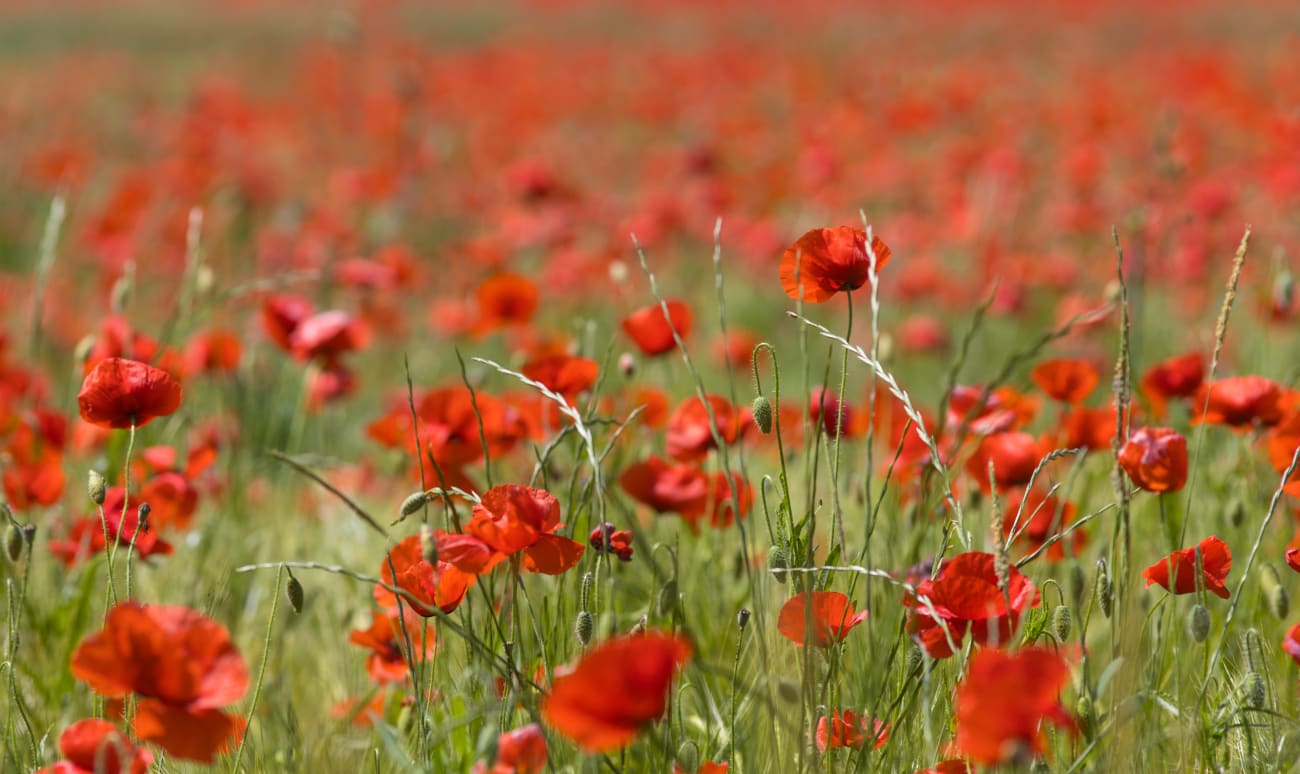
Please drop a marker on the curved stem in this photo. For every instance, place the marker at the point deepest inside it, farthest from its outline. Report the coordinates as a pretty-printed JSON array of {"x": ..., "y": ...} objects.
[{"x": 261, "y": 670}]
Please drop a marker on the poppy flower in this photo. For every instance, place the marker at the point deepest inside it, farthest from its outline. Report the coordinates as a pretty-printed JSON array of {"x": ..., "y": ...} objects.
[
  {"x": 826, "y": 408},
  {"x": 1216, "y": 562},
  {"x": 1240, "y": 401},
  {"x": 848, "y": 729},
  {"x": 689, "y": 435},
  {"x": 1293, "y": 558},
  {"x": 1176, "y": 377},
  {"x": 281, "y": 316},
  {"x": 828, "y": 261},
  {"x": 616, "y": 541},
  {"x": 94, "y": 746},
  {"x": 1066, "y": 380},
  {"x": 1155, "y": 458},
  {"x": 183, "y": 668},
  {"x": 829, "y": 612},
  {"x": 441, "y": 585},
  {"x": 950, "y": 766},
  {"x": 652, "y": 334},
  {"x": 386, "y": 663},
  {"x": 1004, "y": 410},
  {"x": 619, "y": 687},
  {"x": 86, "y": 535},
  {"x": 1291, "y": 644},
  {"x": 326, "y": 336},
  {"x": 505, "y": 300},
  {"x": 707, "y": 767},
  {"x": 1042, "y": 517},
  {"x": 565, "y": 374},
  {"x": 512, "y": 518},
  {"x": 665, "y": 487},
  {"x": 1005, "y": 702},
  {"x": 1088, "y": 428},
  {"x": 120, "y": 393},
  {"x": 965, "y": 597},
  {"x": 214, "y": 351},
  {"x": 522, "y": 751},
  {"x": 1014, "y": 455}
]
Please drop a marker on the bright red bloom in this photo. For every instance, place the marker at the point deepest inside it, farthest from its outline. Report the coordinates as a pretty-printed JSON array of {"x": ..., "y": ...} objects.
[
  {"x": 86, "y": 535},
  {"x": 1005, "y": 701},
  {"x": 182, "y": 666},
  {"x": 619, "y": 687},
  {"x": 565, "y": 374},
  {"x": 1240, "y": 401},
  {"x": 1088, "y": 428},
  {"x": 1177, "y": 377},
  {"x": 1155, "y": 458},
  {"x": 514, "y": 518},
  {"x": 950, "y": 766},
  {"x": 829, "y": 612},
  {"x": 522, "y": 751},
  {"x": 689, "y": 435},
  {"x": 119, "y": 393},
  {"x": 829, "y": 260},
  {"x": 1042, "y": 517},
  {"x": 1291, "y": 644},
  {"x": 848, "y": 729},
  {"x": 327, "y": 336},
  {"x": 1293, "y": 558},
  {"x": 1066, "y": 380},
  {"x": 442, "y": 586},
  {"x": 965, "y": 597},
  {"x": 505, "y": 300},
  {"x": 666, "y": 488},
  {"x": 652, "y": 333},
  {"x": 1014, "y": 455},
  {"x": 386, "y": 662},
  {"x": 281, "y": 316},
  {"x": 616, "y": 541},
  {"x": 825, "y": 407},
  {"x": 94, "y": 746},
  {"x": 214, "y": 351},
  {"x": 1216, "y": 562}
]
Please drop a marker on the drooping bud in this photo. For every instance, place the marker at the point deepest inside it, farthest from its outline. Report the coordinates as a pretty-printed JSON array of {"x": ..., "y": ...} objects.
[
  {"x": 96, "y": 487},
  {"x": 413, "y": 503},
  {"x": 583, "y": 626},
  {"x": 915, "y": 661},
  {"x": 1105, "y": 593},
  {"x": 1086, "y": 713},
  {"x": 142, "y": 513},
  {"x": 666, "y": 602},
  {"x": 688, "y": 756},
  {"x": 762, "y": 410},
  {"x": 1062, "y": 622},
  {"x": 1279, "y": 602},
  {"x": 1236, "y": 512},
  {"x": 1198, "y": 623},
  {"x": 15, "y": 542},
  {"x": 1254, "y": 690},
  {"x": 778, "y": 564},
  {"x": 1078, "y": 581},
  {"x": 293, "y": 590},
  {"x": 742, "y": 618},
  {"x": 428, "y": 545}
]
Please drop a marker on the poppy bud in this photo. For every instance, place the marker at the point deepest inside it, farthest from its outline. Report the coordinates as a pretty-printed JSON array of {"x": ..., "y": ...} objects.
[
  {"x": 142, "y": 515},
  {"x": 1062, "y": 622},
  {"x": 1104, "y": 590},
  {"x": 15, "y": 542},
  {"x": 293, "y": 590},
  {"x": 788, "y": 690},
  {"x": 1236, "y": 512},
  {"x": 626, "y": 364},
  {"x": 666, "y": 602},
  {"x": 588, "y": 580},
  {"x": 777, "y": 563},
  {"x": 915, "y": 661},
  {"x": 96, "y": 487},
  {"x": 583, "y": 626},
  {"x": 688, "y": 756},
  {"x": 1086, "y": 713},
  {"x": 413, "y": 503},
  {"x": 742, "y": 618},
  {"x": 1078, "y": 583},
  {"x": 428, "y": 545},
  {"x": 638, "y": 628},
  {"x": 1279, "y": 602},
  {"x": 1254, "y": 691},
  {"x": 763, "y": 414},
  {"x": 1198, "y": 623}
]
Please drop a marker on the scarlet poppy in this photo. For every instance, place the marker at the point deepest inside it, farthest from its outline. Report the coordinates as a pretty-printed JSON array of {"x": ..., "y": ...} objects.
[
  {"x": 615, "y": 690},
  {"x": 94, "y": 746},
  {"x": 652, "y": 334},
  {"x": 1293, "y": 558},
  {"x": 1215, "y": 560},
  {"x": 1089, "y": 428},
  {"x": 1240, "y": 401},
  {"x": 965, "y": 597},
  {"x": 386, "y": 662},
  {"x": 505, "y": 300},
  {"x": 689, "y": 435},
  {"x": 826, "y": 408},
  {"x": 513, "y": 518},
  {"x": 1014, "y": 455},
  {"x": 828, "y": 261},
  {"x": 214, "y": 351},
  {"x": 522, "y": 751},
  {"x": 183, "y": 668},
  {"x": 441, "y": 585},
  {"x": 1155, "y": 458},
  {"x": 326, "y": 336},
  {"x": 830, "y": 614},
  {"x": 1177, "y": 377},
  {"x": 120, "y": 393},
  {"x": 1005, "y": 702},
  {"x": 666, "y": 488},
  {"x": 1291, "y": 644},
  {"x": 851, "y": 730},
  {"x": 950, "y": 766},
  {"x": 281, "y": 316},
  {"x": 565, "y": 374},
  {"x": 1066, "y": 380},
  {"x": 1042, "y": 518}
]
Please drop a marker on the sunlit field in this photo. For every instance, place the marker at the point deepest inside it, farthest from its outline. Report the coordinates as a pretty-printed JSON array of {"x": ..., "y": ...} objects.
[{"x": 652, "y": 386}]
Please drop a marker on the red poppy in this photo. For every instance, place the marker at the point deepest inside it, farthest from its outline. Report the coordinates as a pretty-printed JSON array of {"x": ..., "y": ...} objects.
[
  {"x": 950, "y": 766},
  {"x": 1177, "y": 377},
  {"x": 965, "y": 597},
  {"x": 1240, "y": 401},
  {"x": 1155, "y": 458},
  {"x": 828, "y": 261},
  {"x": 94, "y": 746},
  {"x": 1005, "y": 410},
  {"x": 513, "y": 518},
  {"x": 386, "y": 662},
  {"x": 689, "y": 435},
  {"x": 1293, "y": 558},
  {"x": 183, "y": 668},
  {"x": 441, "y": 586},
  {"x": 505, "y": 300},
  {"x": 1291, "y": 644},
  {"x": 281, "y": 316},
  {"x": 120, "y": 393},
  {"x": 214, "y": 351},
  {"x": 652, "y": 333},
  {"x": 1014, "y": 455},
  {"x": 86, "y": 535},
  {"x": 34, "y": 473},
  {"x": 616, "y": 541},
  {"x": 1042, "y": 517},
  {"x": 830, "y": 613},
  {"x": 616, "y": 689},
  {"x": 848, "y": 729},
  {"x": 825, "y": 408},
  {"x": 565, "y": 374},
  {"x": 722, "y": 514},
  {"x": 1005, "y": 702},
  {"x": 522, "y": 751},
  {"x": 707, "y": 767},
  {"x": 1216, "y": 562},
  {"x": 666, "y": 488},
  {"x": 117, "y": 339},
  {"x": 1088, "y": 428},
  {"x": 327, "y": 336},
  {"x": 1066, "y": 380}
]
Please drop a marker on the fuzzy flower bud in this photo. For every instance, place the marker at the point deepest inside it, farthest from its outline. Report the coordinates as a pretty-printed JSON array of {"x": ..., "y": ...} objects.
[{"x": 762, "y": 410}]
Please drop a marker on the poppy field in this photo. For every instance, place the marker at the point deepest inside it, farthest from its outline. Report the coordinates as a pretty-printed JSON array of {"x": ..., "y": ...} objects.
[{"x": 652, "y": 386}]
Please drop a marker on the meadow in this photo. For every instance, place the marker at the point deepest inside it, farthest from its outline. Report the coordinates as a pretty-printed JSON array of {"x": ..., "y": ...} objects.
[{"x": 652, "y": 386}]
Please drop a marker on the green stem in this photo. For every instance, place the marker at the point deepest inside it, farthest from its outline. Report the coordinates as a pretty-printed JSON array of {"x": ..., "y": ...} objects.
[{"x": 261, "y": 670}]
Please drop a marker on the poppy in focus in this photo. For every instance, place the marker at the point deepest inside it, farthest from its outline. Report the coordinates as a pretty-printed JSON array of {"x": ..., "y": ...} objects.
[
  {"x": 1215, "y": 561},
  {"x": 1005, "y": 702},
  {"x": 92, "y": 745},
  {"x": 513, "y": 518},
  {"x": 120, "y": 393},
  {"x": 964, "y": 597},
  {"x": 1155, "y": 458},
  {"x": 828, "y": 261},
  {"x": 830, "y": 614}
]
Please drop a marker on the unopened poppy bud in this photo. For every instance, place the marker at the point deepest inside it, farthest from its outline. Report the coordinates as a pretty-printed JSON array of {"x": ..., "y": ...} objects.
[
  {"x": 1086, "y": 713},
  {"x": 688, "y": 756},
  {"x": 583, "y": 626},
  {"x": 1198, "y": 623},
  {"x": 626, "y": 364},
  {"x": 1279, "y": 602},
  {"x": 15, "y": 542},
  {"x": 1254, "y": 691},
  {"x": 742, "y": 618},
  {"x": 413, "y": 503},
  {"x": 1236, "y": 512},
  {"x": 1062, "y": 622},
  {"x": 96, "y": 487},
  {"x": 763, "y": 414},
  {"x": 428, "y": 545},
  {"x": 639, "y": 627},
  {"x": 584, "y": 598},
  {"x": 1105, "y": 593},
  {"x": 666, "y": 603},
  {"x": 788, "y": 690},
  {"x": 778, "y": 564},
  {"x": 142, "y": 514},
  {"x": 293, "y": 590},
  {"x": 915, "y": 661},
  {"x": 1078, "y": 583}
]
